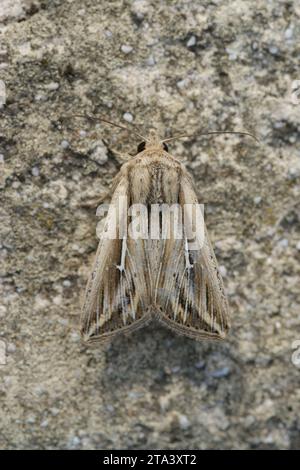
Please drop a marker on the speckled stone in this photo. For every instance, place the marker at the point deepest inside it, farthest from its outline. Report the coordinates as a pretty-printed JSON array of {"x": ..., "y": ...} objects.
[{"x": 185, "y": 67}]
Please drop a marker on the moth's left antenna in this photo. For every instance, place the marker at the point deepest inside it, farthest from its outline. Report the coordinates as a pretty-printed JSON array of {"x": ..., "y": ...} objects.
[{"x": 97, "y": 119}]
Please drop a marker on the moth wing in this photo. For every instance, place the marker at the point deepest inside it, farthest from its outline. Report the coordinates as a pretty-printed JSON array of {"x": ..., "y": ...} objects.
[
  {"x": 116, "y": 296},
  {"x": 190, "y": 294}
]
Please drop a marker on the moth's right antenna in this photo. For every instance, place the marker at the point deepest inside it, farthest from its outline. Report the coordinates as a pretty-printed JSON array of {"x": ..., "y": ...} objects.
[
  {"x": 97, "y": 119},
  {"x": 211, "y": 133}
]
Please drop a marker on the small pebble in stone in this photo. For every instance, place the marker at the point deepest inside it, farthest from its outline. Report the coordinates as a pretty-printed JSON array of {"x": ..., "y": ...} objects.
[
  {"x": 279, "y": 124},
  {"x": 249, "y": 420},
  {"x": 273, "y": 50},
  {"x": 108, "y": 33},
  {"x": 297, "y": 246},
  {"x": 293, "y": 173},
  {"x": 40, "y": 97},
  {"x": 1, "y": 158},
  {"x": 200, "y": 365},
  {"x": 86, "y": 443},
  {"x": 150, "y": 61},
  {"x": 284, "y": 243},
  {"x": 7, "y": 381},
  {"x": 134, "y": 395},
  {"x": 39, "y": 391},
  {"x": 182, "y": 83},
  {"x": 75, "y": 337},
  {"x": 164, "y": 403},
  {"x": 57, "y": 299},
  {"x": 52, "y": 86},
  {"x": 128, "y": 117},
  {"x": 35, "y": 171},
  {"x": 257, "y": 200},
  {"x": 232, "y": 55},
  {"x": 82, "y": 133},
  {"x": 11, "y": 348},
  {"x": 30, "y": 420},
  {"x": 191, "y": 42},
  {"x": 184, "y": 422},
  {"x": 44, "y": 423},
  {"x": 288, "y": 33},
  {"x": 3, "y": 310},
  {"x": 67, "y": 283},
  {"x": 220, "y": 372},
  {"x": 292, "y": 139},
  {"x": 75, "y": 441},
  {"x": 64, "y": 144},
  {"x": 20, "y": 289},
  {"x": 99, "y": 153},
  {"x": 126, "y": 49}
]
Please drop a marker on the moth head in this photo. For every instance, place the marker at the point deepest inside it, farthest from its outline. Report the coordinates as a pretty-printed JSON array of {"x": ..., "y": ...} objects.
[
  {"x": 143, "y": 145},
  {"x": 153, "y": 140}
]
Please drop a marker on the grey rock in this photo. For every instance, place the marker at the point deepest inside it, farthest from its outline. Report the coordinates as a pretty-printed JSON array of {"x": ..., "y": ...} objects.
[{"x": 183, "y": 67}]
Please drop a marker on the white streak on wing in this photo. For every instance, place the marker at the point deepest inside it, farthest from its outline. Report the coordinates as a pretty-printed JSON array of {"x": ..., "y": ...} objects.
[
  {"x": 188, "y": 267},
  {"x": 121, "y": 267}
]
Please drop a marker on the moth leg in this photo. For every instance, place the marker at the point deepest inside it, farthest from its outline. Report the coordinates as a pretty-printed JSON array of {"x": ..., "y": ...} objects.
[{"x": 124, "y": 157}]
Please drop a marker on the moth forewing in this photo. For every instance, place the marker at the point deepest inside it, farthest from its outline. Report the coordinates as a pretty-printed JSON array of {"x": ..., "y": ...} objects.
[
  {"x": 197, "y": 306},
  {"x": 115, "y": 297},
  {"x": 135, "y": 279}
]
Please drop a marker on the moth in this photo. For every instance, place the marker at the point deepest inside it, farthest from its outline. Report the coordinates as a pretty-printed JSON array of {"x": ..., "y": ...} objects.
[{"x": 134, "y": 281}]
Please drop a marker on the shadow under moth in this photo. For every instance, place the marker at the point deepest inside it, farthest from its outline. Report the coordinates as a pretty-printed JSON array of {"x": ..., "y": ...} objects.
[{"x": 136, "y": 280}]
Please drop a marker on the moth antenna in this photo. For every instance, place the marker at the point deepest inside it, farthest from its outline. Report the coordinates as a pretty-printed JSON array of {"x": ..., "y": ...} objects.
[
  {"x": 97, "y": 119},
  {"x": 213, "y": 133}
]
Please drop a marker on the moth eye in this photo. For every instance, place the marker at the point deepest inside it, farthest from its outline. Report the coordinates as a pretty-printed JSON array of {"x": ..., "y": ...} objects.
[
  {"x": 141, "y": 147},
  {"x": 166, "y": 148}
]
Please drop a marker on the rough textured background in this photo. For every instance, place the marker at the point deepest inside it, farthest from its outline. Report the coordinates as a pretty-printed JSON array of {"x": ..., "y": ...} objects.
[{"x": 180, "y": 66}]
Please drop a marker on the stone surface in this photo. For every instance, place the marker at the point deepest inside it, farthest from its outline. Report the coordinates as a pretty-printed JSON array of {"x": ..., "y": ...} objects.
[{"x": 187, "y": 67}]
